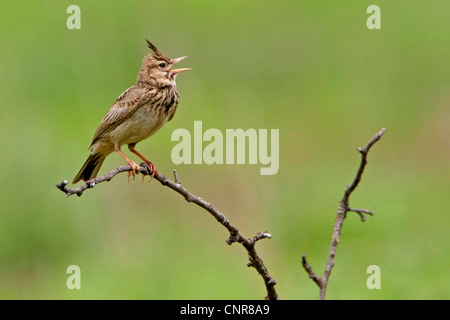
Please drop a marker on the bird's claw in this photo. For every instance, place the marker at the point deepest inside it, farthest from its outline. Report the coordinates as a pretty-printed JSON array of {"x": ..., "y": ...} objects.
[
  {"x": 152, "y": 171},
  {"x": 134, "y": 168}
]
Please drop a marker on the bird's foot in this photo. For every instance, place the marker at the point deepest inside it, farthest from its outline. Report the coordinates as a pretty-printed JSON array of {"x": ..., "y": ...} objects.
[
  {"x": 134, "y": 168},
  {"x": 151, "y": 169}
]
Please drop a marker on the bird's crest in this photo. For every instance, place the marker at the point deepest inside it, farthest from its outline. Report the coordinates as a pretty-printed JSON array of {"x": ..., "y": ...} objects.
[{"x": 156, "y": 53}]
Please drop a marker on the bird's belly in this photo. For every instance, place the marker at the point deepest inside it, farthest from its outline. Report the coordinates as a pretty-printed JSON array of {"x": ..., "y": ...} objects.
[{"x": 141, "y": 125}]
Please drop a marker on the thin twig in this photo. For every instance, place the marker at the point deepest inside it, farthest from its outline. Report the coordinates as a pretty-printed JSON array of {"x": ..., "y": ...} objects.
[
  {"x": 235, "y": 235},
  {"x": 312, "y": 275},
  {"x": 343, "y": 208},
  {"x": 361, "y": 212}
]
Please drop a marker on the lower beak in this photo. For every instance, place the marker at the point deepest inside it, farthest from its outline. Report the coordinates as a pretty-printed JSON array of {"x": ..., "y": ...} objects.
[
  {"x": 176, "y": 60},
  {"x": 180, "y": 70}
]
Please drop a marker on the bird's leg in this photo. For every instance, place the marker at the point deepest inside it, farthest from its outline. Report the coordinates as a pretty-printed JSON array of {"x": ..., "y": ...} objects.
[
  {"x": 134, "y": 166},
  {"x": 151, "y": 166}
]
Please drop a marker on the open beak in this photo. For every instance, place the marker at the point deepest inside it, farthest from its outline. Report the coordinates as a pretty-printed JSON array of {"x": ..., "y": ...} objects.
[{"x": 176, "y": 60}]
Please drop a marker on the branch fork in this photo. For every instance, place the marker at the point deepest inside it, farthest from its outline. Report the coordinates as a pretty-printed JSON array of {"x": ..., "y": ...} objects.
[
  {"x": 235, "y": 235},
  {"x": 343, "y": 208},
  {"x": 255, "y": 260}
]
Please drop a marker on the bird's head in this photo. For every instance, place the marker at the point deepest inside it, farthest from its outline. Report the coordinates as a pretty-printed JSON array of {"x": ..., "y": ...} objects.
[{"x": 156, "y": 69}]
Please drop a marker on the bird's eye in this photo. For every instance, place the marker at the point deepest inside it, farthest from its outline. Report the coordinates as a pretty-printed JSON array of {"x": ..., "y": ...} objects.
[{"x": 162, "y": 64}]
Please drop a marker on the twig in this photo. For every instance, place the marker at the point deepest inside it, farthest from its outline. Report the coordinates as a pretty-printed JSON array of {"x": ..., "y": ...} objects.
[
  {"x": 361, "y": 212},
  {"x": 343, "y": 208},
  {"x": 235, "y": 235}
]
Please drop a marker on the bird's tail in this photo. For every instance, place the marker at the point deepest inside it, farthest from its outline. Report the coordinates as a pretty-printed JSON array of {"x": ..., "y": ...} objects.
[{"x": 90, "y": 168}]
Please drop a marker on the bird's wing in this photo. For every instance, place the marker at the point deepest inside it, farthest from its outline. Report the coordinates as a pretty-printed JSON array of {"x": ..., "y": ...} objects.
[
  {"x": 173, "y": 113},
  {"x": 126, "y": 104}
]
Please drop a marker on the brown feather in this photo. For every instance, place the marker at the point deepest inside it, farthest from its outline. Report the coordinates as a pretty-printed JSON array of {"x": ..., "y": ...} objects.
[
  {"x": 156, "y": 53},
  {"x": 90, "y": 167},
  {"x": 127, "y": 103}
]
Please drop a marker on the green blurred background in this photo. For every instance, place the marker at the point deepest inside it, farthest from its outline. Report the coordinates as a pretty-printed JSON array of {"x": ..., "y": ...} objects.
[{"x": 309, "y": 68}]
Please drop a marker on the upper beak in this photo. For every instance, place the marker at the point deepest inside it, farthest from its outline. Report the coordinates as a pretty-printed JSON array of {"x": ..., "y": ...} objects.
[{"x": 176, "y": 60}]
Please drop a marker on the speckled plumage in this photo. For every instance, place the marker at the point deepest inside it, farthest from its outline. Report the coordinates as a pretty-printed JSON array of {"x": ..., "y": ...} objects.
[{"x": 138, "y": 113}]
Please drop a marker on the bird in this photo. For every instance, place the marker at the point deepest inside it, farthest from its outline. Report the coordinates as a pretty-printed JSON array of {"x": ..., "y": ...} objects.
[{"x": 138, "y": 113}]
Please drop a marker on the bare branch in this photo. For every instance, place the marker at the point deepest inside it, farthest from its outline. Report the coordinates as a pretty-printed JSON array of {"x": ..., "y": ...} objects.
[
  {"x": 263, "y": 235},
  {"x": 361, "y": 212},
  {"x": 235, "y": 235},
  {"x": 343, "y": 208},
  {"x": 311, "y": 273}
]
